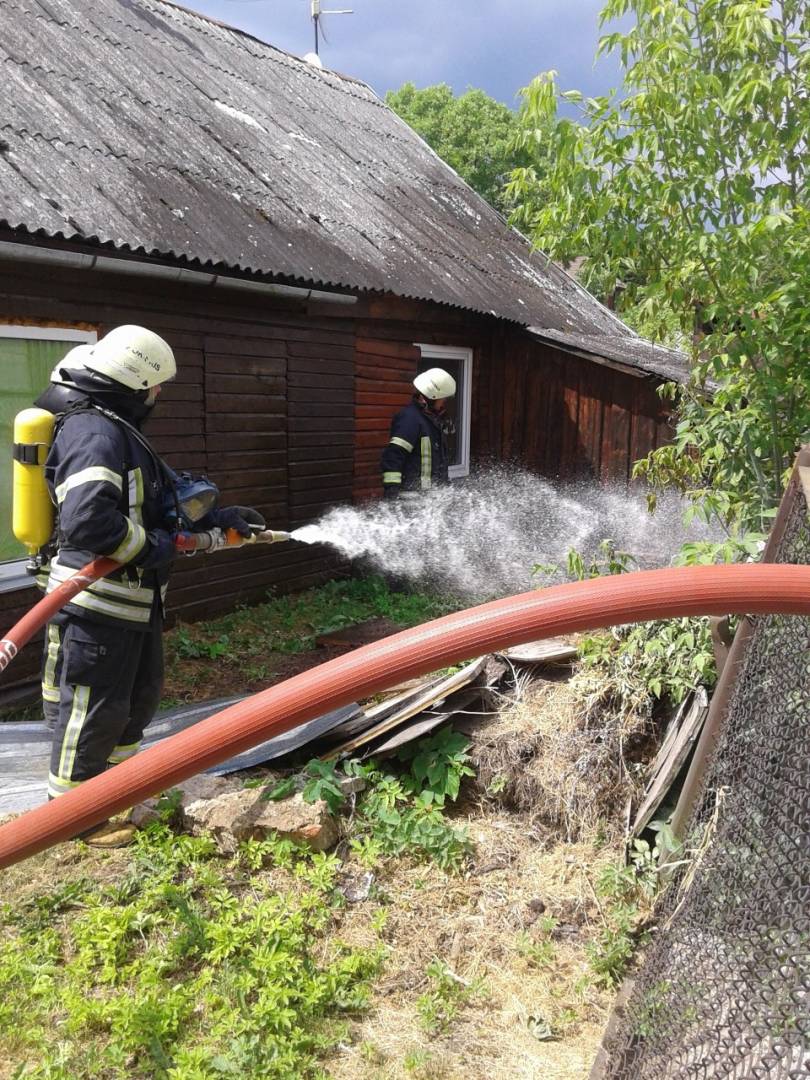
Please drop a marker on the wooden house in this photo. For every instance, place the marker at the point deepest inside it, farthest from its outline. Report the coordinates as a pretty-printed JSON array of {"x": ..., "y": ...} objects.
[{"x": 304, "y": 252}]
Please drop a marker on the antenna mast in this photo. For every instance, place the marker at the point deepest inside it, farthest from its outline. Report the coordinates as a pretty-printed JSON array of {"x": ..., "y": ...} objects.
[{"x": 316, "y": 13}]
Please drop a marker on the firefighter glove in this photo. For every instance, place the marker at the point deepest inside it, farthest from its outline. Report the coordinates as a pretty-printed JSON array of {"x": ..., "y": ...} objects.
[
  {"x": 390, "y": 491},
  {"x": 244, "y": 519},
  {"x": 161, "y": 550}
]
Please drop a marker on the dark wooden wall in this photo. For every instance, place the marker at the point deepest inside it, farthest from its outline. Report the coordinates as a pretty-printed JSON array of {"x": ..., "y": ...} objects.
[
  {"x": 287, "y": 405},
  {"x": 386, "y": 360},
  {"x": 561, "y": 415},
  {"x": 263, "y": 402}
]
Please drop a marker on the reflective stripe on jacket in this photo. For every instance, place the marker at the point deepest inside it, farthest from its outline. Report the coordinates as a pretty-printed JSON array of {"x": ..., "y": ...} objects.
[
  {"x": 416, "y": 455},
  {"x": 108, "y": 490}
]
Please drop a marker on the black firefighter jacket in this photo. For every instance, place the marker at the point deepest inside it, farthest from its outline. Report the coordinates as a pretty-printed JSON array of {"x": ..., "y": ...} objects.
[
  {"x": 109, "y": 493},
  {"x": 416, "y": 456}
]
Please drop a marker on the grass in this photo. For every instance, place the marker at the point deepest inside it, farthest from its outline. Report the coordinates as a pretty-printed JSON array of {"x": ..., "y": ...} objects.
[
  {"x": 169, "y": 961},
  {"x": 249, "y": 646}
]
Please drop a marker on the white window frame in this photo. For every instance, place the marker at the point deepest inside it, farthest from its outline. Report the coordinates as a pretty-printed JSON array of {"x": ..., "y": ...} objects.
[
  {"x": 12, "y": 574},
  {"x": 464, "y": 391}
]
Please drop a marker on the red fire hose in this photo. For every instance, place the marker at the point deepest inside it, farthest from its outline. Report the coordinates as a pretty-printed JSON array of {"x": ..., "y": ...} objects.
[
  {"x": 586, "y": 605},
  {"x": 22, "y": 632},
  {"x": 185, "y": 543}
]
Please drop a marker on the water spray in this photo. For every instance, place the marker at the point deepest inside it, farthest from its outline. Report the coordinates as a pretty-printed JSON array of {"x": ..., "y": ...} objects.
[{"x": 485, "y": 536}]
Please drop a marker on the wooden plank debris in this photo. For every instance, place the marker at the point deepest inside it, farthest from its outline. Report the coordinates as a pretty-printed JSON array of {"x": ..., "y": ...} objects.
[
  {"x": 456, "y": 705},
  {"x": 547, "y": 651},
  {"x": 681, "y": 736},
  {"x": 388, "y": 716}
]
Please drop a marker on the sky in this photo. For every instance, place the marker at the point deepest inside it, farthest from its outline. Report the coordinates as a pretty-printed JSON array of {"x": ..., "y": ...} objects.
[{"x": 497, "y": 45}]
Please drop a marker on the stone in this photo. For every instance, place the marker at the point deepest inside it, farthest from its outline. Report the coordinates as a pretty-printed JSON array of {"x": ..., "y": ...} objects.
[
  {"x": 144, "y": 813},
  {"x": 243, "y": 814},
  {"x": 205, "y": 787},
  {"x": 191, "y": 790}
]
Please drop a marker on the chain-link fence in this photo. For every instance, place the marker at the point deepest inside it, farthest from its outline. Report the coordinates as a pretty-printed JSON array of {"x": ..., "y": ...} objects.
[{"x": 725, "y": 989}]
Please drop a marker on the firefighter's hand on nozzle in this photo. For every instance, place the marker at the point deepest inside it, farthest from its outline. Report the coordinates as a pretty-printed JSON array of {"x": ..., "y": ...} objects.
[
  {"x": 244, "y": 519},
  {"x": 162, "y": 549}
]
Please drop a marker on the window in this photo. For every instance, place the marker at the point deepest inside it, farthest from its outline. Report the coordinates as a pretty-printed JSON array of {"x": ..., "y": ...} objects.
[
  {"x": 457, "y": 362},
  {"x": 28, "y": 354}
]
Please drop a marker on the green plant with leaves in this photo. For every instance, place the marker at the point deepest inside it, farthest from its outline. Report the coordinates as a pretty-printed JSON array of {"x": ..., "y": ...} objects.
[
  {"x": 397, "y": 813},
  {"x": 607, "y": 560},
  {"x": 438, "y": 764},
  {"x": 323, "y": 783},
  {"x": 439, "y": 1006},
  {"x": 664, "y": 659},
  {"x": 653, "y": 661},
  {"x": 686, "y": 194},
  {"x": 392, "y": 820},
  {"x": 629, "y": 891},
  {"x": 173, "y": 974},
  {"x": 473, "y": 133}
]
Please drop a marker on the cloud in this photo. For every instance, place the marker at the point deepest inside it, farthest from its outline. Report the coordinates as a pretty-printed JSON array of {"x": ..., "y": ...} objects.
[{"x": 498, "y": 45}]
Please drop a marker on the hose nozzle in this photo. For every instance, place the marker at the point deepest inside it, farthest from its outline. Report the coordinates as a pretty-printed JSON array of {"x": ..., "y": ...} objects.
[{"x": 272, "y": 536}]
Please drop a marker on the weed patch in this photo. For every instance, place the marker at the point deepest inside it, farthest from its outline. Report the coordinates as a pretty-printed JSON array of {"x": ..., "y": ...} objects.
[
  {"x": 248, "y": 645},
  {"x": 186, "y": 967}
]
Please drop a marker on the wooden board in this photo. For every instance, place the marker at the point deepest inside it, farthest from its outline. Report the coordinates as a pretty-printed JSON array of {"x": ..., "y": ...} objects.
[
  {"x": 547, "y": 651},
  {"x": 680, "y": 739},
  {"x": 413, "y": 704},
  {"x": 457, "y": 705}
]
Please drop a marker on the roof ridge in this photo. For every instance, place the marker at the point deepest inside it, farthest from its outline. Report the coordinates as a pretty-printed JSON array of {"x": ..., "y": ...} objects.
[{"x": 260, "y": 41}]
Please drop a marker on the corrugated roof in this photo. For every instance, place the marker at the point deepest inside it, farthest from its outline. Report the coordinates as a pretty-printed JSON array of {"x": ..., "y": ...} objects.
[
  {"x": 631, "y": 351},
  {"x": 141, "y": 125}
]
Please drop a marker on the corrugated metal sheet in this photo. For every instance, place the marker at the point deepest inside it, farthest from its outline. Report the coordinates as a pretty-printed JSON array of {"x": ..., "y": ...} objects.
[
  {"x": 632, "y": 351},
  {"x": 138, "y": 124}
]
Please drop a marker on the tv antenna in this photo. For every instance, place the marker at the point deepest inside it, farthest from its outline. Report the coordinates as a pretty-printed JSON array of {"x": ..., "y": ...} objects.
[{"x": 317, "y": 14}]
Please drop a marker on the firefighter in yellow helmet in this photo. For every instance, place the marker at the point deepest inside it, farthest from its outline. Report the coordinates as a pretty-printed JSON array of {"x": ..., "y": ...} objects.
[{"x": 416, "y": 457}]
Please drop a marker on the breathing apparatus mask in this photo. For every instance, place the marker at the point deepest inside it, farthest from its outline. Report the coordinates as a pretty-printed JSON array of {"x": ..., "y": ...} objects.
[{"x": 188, "y": 501}]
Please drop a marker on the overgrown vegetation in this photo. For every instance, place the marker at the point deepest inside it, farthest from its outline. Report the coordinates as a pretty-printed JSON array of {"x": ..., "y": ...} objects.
[
  {"x": 400, "y": 811},
  {"x": 188, "y": 967},
  {"x": 635, "y": 667},
  {"x": 247, "y": 643},
  {"x": 178, "y": 963},
  {"x": 686, "y": 194}
]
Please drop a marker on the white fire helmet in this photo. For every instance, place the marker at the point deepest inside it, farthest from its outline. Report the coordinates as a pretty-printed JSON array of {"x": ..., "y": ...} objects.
[
  {"x": 132, "y": 355},
  {"x": 435, "y": 383},
  {"x": 76, "y": 358}
]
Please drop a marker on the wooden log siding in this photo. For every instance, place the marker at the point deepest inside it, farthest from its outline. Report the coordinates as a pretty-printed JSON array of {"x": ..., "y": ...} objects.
[
  {"x": 384, "y": 375},
  {"x": 562, "y": 415},
  {"x": 288, "y": 408},
  {"x": 247, "y": 364}
]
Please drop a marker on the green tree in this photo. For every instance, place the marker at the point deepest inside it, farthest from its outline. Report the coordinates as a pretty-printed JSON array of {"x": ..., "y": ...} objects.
[
  {"x": 686, "y": 194},
  {"x": 473, "y": 133}
]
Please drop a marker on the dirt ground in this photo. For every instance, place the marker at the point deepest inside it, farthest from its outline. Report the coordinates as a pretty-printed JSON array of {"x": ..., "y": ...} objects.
[{"x": 205, "y": 679}]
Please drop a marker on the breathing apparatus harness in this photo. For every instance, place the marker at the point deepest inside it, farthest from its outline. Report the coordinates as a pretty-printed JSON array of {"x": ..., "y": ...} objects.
[{"x": 188, "y": 499}]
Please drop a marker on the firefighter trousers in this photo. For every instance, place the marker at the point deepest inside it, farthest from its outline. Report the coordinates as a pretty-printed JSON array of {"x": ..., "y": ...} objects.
[{"x": 101, "y": 686}]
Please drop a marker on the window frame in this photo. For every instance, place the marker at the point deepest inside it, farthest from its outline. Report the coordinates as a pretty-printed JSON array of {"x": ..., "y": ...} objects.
[
  {"x": 13, "y": 576},
  {"x": 464, "y": 354}
]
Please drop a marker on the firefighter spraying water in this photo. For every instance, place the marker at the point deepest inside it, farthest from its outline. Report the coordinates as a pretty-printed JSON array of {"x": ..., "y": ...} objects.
[{"x": 102, "y": 518}]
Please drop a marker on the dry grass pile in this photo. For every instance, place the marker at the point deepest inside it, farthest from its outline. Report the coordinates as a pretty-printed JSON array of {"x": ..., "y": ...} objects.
[
  {"x": 564, "y": 754},
  {"x": 512, "y": 931}
]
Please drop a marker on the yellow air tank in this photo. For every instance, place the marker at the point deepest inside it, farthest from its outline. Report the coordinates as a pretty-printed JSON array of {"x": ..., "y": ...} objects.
[{"x": 32, "y": 517}]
